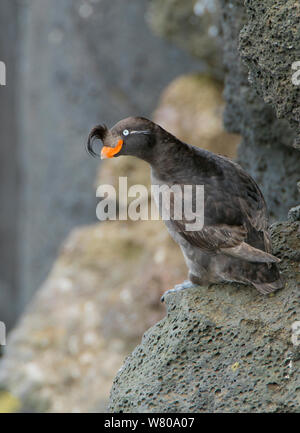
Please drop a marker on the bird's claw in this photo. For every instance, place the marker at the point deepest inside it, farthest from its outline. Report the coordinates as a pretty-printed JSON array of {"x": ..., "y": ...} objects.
[{"x": 178, "y": 288}]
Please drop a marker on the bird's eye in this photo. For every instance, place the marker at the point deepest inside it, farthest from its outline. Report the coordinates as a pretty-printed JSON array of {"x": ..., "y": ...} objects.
[{"x": 126, "y": 132}]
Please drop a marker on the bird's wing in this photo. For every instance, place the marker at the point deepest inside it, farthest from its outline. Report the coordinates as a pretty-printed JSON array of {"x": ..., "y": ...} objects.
[
  {"x": 235, "y": 222},
  {"x": 254, "y": 209},
  {"x": 212, "y": 238},
  {"x": 227, "y": 239}
]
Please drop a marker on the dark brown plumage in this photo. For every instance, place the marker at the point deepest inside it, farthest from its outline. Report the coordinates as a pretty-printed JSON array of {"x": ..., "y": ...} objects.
[{"x": 234, "y": 244}]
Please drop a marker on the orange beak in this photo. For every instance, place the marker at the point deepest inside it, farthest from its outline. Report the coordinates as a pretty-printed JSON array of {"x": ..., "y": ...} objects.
[{"x": 109, "y": 152}]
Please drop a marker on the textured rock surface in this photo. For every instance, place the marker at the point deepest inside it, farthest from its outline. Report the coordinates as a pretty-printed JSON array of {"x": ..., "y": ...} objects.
[
  {"x": 221, "y": 349},
  {"x": 101, "y": 296},
  {"x": 191, "y": 108},
  {"x": 266, "y": 150},
  {"x": 270, "y": 44},
  {"x": 192, "y": 25}
]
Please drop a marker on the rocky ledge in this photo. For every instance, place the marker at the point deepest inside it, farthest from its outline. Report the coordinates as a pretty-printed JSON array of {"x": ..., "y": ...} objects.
[{"x": 224, "y": 348}]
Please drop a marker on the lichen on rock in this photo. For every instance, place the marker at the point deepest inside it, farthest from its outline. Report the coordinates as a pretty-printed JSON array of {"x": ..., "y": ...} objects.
[
  {"x": 8, "y": 403},
  {"x": 225, "y": 348}
]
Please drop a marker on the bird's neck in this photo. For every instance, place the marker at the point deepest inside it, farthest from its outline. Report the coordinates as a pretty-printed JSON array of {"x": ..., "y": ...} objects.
[{"x": 167, "y": 156}]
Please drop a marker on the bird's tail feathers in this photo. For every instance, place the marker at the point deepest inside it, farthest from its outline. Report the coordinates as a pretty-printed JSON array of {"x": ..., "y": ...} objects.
[
  {"x": 246, "y": 252},
  {"x": 266, "y": 288}
]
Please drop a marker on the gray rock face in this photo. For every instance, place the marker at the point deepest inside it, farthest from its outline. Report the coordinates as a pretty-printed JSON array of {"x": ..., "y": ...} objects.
[
  {"x": 221, "y": 349},
  {"x": 81, "y": 63},
  {"x": 266, "y": 150},
  {"x": 270, "y": 45}
]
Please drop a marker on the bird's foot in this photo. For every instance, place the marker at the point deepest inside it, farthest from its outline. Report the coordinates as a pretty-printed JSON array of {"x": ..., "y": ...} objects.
[{"x": 178, "y": 288}]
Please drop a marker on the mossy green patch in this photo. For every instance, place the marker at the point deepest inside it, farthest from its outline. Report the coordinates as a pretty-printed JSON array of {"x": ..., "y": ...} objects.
[{"x": 9, "y": 403}]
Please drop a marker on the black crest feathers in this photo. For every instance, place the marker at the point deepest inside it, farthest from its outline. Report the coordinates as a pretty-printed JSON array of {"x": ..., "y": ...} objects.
[{"x": 98, "y": 133}]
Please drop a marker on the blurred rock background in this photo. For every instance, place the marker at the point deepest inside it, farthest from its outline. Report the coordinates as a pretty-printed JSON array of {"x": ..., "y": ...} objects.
[
  {"x": 74, "y": 65},
  {"x": 70, "y": 65}
]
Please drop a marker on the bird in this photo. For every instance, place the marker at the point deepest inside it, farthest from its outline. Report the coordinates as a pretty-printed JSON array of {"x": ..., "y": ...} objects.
[{"x": 234, "y": 244}]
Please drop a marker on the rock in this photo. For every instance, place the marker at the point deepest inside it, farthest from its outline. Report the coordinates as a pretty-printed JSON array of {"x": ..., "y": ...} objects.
[
  {"x": 269, "y": 45},
  {"x": 266, "y": 150},
  {"x": 287, "y": 244},
  {"x": 220, "y": 349},
  {"x": 9, "y": 162},
  {"x": 70, "y": 79},
  {"x": 102, "y": 294},
  {"x": 192, "y": 108},
  {"x": 193, "y": 26}
]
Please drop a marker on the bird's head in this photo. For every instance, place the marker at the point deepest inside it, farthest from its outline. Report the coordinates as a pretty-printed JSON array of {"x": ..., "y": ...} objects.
[{"x": 135, "y": 136}]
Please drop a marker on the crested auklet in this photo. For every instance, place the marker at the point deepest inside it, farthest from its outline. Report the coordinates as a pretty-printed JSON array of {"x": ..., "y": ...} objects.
[{"x": 234, "y": 243}]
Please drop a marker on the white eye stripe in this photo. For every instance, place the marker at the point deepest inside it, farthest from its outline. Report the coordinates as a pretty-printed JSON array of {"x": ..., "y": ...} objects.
[
  {"x": 126, "y": 132},
  {"x": 140, "y": 132}
]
